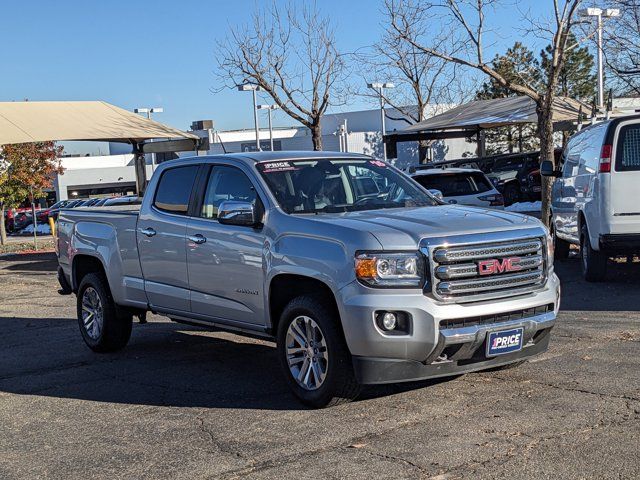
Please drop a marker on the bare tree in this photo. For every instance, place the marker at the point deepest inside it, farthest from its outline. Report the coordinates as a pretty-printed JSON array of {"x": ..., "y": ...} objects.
[
  {"x": 424, "y": 84},
  {"x": 291, "y": 54},
  {"x": 465, "y": 22},
  {"x": 622, "y": 46}
]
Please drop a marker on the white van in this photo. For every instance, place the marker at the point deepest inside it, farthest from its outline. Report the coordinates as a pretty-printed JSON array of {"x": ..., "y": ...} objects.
[{"x": 596, "y": 196}]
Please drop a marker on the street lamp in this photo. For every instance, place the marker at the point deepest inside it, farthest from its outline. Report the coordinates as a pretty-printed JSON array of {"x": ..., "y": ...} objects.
[
  {"x": 250, "y": 87},
  {"x": 599, "y": 13},
  {"x": 269, "y": 108},
  {"x": 149, "y": 111},
  {"x": 379, "y": 87}
]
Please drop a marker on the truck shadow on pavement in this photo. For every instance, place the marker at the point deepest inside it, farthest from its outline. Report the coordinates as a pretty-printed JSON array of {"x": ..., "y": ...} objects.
[
  {"x": 165, "y": 364},
  {"x": 618, "y": 293}
]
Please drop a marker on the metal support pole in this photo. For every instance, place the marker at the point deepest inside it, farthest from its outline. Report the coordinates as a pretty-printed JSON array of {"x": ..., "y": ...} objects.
[
  {"x": 382, "y": 121},
  {"x": 346, "y": 137},
  {"x": 270, "y": 129},
  {"x": 255, "y": 119},
  {"x": 600, "y": 67},
  {"x": 141, "y": 169}
]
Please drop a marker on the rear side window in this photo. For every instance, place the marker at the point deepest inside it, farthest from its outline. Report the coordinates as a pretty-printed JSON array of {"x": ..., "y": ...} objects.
[
  {"x": 174, "y": 189},
  {"x": 628, "y": 148},
  {"x": 455, "y": 184}
]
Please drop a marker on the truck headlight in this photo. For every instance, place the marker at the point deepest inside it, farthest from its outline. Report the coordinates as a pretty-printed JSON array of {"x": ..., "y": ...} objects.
[{"x": 381, "y": 269}]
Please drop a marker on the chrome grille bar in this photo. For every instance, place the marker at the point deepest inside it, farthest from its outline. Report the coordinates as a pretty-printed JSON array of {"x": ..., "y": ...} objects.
[
  {"x": 500, "y": 264},
  {"x": 454, "y": 254}
]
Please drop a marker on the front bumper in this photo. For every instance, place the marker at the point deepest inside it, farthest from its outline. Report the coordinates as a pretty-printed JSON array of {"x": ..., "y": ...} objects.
[
  {"x": 469, "y": 347},
  {"x": 428, "y": 350},
  {"x": 624, "y": 242}
]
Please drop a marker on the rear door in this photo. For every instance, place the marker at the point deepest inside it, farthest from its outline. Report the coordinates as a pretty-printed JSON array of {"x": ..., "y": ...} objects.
[
  {"x": 162, "y": 240},
  {"x": 226, "y": 276},
  {"x": 625, "y": 178}
]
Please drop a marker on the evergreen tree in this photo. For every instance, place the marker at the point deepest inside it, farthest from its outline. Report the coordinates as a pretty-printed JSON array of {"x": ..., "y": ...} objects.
[
  {"x": 517, "y": 65},
  {"x": 577, "y": 78}
]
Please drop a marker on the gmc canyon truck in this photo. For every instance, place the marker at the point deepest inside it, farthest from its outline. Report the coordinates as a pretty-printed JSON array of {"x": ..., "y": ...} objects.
[{"x": 357, "y": 285}]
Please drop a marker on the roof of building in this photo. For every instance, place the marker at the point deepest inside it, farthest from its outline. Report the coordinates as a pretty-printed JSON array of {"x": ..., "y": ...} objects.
[{"x": 25, "y": 122}]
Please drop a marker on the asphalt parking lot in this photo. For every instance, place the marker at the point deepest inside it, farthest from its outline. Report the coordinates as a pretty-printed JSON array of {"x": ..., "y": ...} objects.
[{"x": 179, "y": 402}]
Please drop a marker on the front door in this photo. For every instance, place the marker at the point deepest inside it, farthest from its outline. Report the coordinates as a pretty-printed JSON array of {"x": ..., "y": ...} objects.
[
  {"x": 162, "y": 243},
  {"x": 225, "y": 261}
]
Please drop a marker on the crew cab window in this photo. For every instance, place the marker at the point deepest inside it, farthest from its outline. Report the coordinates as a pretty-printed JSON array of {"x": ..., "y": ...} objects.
[
  {"x": 174, "y": 189},
  {"x": 226, "y": 183},
  {"x": 628, "y": 148}
]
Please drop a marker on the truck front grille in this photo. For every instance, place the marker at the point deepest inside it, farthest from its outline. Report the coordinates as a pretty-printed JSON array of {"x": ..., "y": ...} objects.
[{"x": 480, "y": 271}]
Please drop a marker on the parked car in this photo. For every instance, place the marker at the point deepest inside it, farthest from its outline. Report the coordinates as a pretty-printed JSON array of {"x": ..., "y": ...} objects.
[
  {"x": 513, "y": 175},
  {"x": 593, "y": 199},
  {"x": 354, "y": 288},
  {"x": 461, "y": 185},
  {"x": 102, "y": 201}
]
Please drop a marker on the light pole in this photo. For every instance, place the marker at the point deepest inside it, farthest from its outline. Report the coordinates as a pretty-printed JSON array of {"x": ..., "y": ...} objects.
[
  {"x": 599, "y": 14},
  {"x": 379, "y": 88},
  {"x": 269, "y": 108},
  {"x": 250, "y": 87},
  {"x": 148, "y": 112}
]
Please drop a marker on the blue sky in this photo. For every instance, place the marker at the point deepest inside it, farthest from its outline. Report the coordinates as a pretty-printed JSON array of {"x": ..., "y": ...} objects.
[{"x": 159, "y": 53}]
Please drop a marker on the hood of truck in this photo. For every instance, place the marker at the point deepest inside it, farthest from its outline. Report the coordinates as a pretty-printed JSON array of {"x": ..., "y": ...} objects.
[{"x": 403, "y": 228}]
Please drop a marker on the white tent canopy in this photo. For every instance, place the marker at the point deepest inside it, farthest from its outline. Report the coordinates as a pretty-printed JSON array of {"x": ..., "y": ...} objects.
[
  {"x": 24, "y": 122},
  {"x": 483, "y": 114}
]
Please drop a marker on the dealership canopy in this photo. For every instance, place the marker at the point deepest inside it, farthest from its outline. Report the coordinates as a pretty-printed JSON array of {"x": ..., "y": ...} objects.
[
  {"x": 24, "y": 122},
  {"x": 472, "y": 118}
]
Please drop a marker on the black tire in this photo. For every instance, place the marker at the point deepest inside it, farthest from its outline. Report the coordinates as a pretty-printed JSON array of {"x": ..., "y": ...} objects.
[
  {"x": 511, "y": 194},
  {"x": 115, "y": 331},
  {"x": 594, "y": 264},
  {"x": 561, "y": 247},
  {"x": 339, "y": 384}
]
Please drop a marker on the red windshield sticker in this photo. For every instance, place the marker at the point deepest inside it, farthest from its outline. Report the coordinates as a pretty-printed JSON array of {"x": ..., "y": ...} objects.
[
  {"x": 269, "y": 167},
  {"x": 377, "y": 163}
]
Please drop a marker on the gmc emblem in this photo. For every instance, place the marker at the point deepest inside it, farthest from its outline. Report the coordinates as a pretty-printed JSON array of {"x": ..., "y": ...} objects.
[{"x": 495, "y": 266}]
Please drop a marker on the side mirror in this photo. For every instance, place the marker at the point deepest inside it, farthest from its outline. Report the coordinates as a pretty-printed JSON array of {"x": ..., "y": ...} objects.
[
  {"x": 232, "y": 212},
  {"x": 436, "y": 193},
  {"x": 546, "y": 169}
]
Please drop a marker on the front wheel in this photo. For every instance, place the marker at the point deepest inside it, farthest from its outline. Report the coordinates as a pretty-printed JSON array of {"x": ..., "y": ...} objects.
[
  {"x": 314, "y": 355},
  {"x": 103, "y": 326},
  {"x": 561, "y": 247},
  {"x": 594, "y": 263}
]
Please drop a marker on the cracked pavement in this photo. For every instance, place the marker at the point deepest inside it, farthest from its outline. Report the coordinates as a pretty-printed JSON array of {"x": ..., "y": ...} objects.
[{"x": 180, "y": 402}]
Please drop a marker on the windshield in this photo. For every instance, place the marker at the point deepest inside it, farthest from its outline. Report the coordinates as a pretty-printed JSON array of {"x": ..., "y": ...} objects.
[
  {"x": 455, "y": 184},
  {"x": 316, "y": 186}
]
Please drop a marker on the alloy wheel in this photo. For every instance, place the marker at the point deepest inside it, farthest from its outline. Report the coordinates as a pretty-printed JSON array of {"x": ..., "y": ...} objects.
[
  {"x": 92, "y": 313},
  {"x": 307, "y": 354}
]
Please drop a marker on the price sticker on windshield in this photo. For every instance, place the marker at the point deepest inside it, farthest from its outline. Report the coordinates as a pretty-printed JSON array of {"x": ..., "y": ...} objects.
[
  {"x": 377, "y": 163},
  {"x": 269, "y": 167}
]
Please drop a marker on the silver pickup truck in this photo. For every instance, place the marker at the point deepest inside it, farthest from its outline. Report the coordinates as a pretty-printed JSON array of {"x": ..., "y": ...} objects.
[{"x": 359, "y": 274}]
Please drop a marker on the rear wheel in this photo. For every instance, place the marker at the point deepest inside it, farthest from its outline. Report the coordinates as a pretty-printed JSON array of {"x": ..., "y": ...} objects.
[
  {"x": 103, "y": 326},
  {"x": 594, "y": 263},
  {"x": 314, "y": 355}
]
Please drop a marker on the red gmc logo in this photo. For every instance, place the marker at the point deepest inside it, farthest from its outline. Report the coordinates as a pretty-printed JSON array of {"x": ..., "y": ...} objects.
[{"x": 495, "y": 266}]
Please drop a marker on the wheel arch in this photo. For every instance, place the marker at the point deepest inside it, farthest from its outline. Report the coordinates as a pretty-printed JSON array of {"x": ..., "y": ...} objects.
[
  {"x": 82, "y": 265},
  {"x": 284, "y": 287}
]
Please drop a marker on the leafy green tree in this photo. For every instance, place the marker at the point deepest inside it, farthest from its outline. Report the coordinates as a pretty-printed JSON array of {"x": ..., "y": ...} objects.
[{"x": 25, "y": 169}]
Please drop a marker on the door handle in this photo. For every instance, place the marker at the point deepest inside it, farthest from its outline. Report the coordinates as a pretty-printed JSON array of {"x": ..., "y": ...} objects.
[
  {"x": 197, "y": 238},
  {"x": 149, "y": 232}
]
